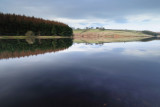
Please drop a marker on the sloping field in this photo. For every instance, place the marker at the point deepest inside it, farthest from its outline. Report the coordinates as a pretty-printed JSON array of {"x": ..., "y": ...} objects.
[{"x": 103, "y": 36}]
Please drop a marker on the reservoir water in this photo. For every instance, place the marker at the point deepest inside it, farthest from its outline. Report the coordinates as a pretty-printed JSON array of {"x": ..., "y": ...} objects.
[{"x": 61, "y": 73}]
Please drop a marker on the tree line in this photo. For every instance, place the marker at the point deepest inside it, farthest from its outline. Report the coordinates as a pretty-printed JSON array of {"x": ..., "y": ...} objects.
[
  {"x": 150, "y": 33},
  {"x": 16, "y": 25}
]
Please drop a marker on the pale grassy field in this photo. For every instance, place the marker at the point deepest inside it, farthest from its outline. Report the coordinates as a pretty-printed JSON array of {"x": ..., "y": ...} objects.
[{"x": 104, "y": 36}]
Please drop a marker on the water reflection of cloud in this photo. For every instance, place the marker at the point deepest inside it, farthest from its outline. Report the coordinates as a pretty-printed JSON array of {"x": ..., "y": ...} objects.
[
  {"x": 139, "y": 49},
  {"x": 144, "y": 53},
  {"x": 118, "y": 50}
]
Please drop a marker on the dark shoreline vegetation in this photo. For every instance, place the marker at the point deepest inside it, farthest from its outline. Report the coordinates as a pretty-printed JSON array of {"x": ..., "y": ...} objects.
[
  {"x": 18, "y": 25},
  {"x": 11, "y": 48},
  {"x": 150, "y": 33}
]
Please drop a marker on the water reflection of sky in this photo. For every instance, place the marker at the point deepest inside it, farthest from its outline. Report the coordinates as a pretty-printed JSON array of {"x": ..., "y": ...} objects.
[
  {"x": 116, "y": 74},
  {"x": 128, "y": 48}
]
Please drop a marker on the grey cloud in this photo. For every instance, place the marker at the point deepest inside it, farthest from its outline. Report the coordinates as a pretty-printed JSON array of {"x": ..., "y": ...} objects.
[
  {"x": 82, "y": 9},
  {"x": 121, "y": 20}
]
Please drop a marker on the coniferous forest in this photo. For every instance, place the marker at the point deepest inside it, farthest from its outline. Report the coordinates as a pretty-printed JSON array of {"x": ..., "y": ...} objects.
[{"x": 16, "y": 25}]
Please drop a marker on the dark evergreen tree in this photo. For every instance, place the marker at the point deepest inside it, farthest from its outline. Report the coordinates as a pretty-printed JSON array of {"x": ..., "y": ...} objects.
[{"x": 12, "y": 25}]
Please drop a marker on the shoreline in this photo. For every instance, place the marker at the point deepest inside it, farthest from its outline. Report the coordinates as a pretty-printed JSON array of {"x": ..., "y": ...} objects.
[{"x": 36, "y": 37}]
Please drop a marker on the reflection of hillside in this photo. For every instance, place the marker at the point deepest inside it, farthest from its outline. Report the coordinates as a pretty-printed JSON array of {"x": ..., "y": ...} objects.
[
  {"x": 150, "y": 39},
  {"x": 105, "y": 39},
  {"x": 20, "y": 48}
]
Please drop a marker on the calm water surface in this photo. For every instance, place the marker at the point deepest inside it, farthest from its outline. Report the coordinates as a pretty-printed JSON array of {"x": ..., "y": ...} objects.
[{"x": 80, "y": 75}]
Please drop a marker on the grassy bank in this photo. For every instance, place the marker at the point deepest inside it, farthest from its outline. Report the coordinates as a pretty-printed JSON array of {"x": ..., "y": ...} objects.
[{"x": 36, "y": 37}]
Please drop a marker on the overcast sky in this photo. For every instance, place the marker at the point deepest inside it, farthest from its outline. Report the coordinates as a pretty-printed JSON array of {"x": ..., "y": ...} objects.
[{"x": 111, "y": 14}]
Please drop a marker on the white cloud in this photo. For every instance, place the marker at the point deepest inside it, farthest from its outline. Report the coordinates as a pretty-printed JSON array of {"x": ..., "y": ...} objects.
[
  {"x": 78, "y": 23},
  {"x": 140, "y": 22}
]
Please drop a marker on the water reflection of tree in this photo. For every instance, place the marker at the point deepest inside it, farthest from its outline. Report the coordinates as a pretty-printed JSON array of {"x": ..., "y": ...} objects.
[
  {"x": 20, "y": 48},
  {"x": 30, "y": 40}
]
